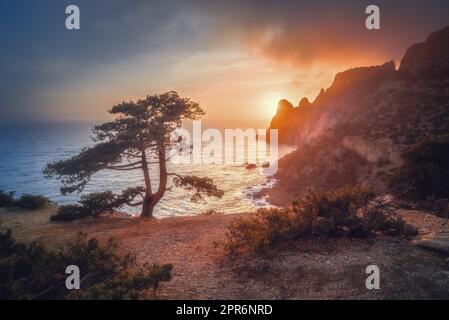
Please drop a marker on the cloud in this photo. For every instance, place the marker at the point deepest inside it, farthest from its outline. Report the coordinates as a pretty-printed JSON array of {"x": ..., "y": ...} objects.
[
  {"x": 328, "y": 32},
  {"x": 39, "y": 55},
  {"x": 39, "y": 58}
]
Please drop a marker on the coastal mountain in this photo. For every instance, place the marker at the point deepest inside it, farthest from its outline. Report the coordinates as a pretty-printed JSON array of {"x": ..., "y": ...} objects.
[
  {"x": 429, "y": 58},
  {"x": 357, "y": 130}
]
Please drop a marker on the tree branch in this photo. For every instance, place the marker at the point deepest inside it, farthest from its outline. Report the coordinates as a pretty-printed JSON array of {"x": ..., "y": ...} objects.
[
  {"x": 127, "y": 165},
  {"x": 174, "y": 174},
  {"x": 135, "y": 204},
  {"x": 130, "y": 154},
  {"x": 122, "y": 169}
]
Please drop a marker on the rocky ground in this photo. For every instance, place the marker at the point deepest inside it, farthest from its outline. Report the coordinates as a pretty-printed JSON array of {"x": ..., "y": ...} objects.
[{"x": 305, "y": 270}]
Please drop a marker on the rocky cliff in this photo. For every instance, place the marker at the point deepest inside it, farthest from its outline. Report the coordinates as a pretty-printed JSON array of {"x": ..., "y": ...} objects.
[
  {"x": 355, "y": 131},
  {"x": 428, "y": 59}
]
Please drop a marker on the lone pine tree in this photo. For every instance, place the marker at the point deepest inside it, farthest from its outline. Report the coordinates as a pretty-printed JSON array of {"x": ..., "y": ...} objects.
[{"x": 137, "y": 139}]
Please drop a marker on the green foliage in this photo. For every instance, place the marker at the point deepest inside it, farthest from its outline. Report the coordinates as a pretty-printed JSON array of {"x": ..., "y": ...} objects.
[
  {"x": 32, "y": 202},
  {"x": 6, "y": 199},
  {"x": 127, "y": 287},
  {"x": 75, "y": 172},
  {"x": 425, "y": 172},
  {"x": 70, "y": 212},
  {"x": 96, "y": 203},
  {"x": 267, "y": 228},
  {"x": 26, "y": 201},
  {"x": 379, "y": 220},
  {"x": 34, "y": 272},
  {"x": 343, "y": 213},
  {"x": 202, "y": 187},
  {"x": 140, "y": 135}
]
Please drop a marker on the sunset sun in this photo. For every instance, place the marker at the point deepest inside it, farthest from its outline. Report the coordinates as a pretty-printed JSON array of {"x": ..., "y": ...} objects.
[{"x": 269, "y": 102}]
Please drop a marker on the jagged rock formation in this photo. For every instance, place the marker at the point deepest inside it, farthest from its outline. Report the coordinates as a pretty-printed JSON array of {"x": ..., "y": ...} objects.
[
  {"x": 430, "y": 58},
  {"x": 310, "y": 120},
  {"x": 304, "y": 103},
  {"x": 289, "y": 118},
  {"x": 357, "y": 129}
]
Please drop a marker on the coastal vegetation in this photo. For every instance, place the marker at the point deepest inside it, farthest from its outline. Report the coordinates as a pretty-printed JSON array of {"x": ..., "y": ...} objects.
[
  {"x": 425, "y": 171},
  {"x": 349, "y": 212},
  {"x": 423, "y": 179},
  {"x": 25, "y": 201},
  {"x": 95, "y": 204},
  {"x": 138, "y": 138},
  {"x": 32, "y": 271}
]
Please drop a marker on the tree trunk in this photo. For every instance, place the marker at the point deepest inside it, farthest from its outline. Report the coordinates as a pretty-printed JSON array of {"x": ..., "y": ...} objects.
[
  {"x": 151, "y": 199},
  {"x": 149, "y": 203}
]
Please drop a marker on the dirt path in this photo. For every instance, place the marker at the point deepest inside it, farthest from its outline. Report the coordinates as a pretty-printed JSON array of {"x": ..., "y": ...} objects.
[{"x": 308, "y": 269}]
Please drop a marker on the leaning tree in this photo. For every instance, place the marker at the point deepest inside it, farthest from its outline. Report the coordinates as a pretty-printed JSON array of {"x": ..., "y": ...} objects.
[{"x": 137, "y": 139}]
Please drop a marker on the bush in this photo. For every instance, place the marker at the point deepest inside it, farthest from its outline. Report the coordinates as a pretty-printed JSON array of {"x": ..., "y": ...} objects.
[
  {"x": 32, "y": 202},
  {"x": 94, "y": 204},
  {"x": 98, "y": 202},
  {"x": 267, "y": 228},
  {"x": 126, "y": 287},
  {"x": 34, "y": 272},
  {"x": 70, "y": 212},
  {"x": 345, "y": 213},
  {"x": 26, "y": 201},
  {"x": 425, "y": 172},
  {"x": 6, "y": 199}
]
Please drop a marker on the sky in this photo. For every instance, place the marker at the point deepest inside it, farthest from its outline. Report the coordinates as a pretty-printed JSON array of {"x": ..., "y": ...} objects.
[{"x": 237, "y": 58}]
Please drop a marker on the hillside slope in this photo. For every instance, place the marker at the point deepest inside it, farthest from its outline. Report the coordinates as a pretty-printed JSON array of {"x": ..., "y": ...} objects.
[{"x": 357, "y": 130}]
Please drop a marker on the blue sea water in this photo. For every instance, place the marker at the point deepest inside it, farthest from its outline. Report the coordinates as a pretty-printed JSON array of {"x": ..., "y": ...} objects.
[{"x": 26, "y": 148}]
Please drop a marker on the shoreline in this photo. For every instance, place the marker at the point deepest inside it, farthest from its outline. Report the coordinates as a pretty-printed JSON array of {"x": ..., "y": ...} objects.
[{"x": 277, "y": 195}]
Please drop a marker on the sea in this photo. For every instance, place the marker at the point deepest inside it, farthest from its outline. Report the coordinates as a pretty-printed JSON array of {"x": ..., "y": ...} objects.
[{"x": 26, "y": 148}]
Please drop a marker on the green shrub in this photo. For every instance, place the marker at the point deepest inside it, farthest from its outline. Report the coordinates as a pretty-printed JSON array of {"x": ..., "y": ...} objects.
[
  {"x": 34, "y": 272},
  {"x": 377, "y": 218},
  {"x": 70, "y": 212},
  {"x": 344, "y": 213},
  {"x": 425, "y": 172},
  {"x": 32, "y": 202},
  {"x": 6, "y": 199},
  {"x": 267, "y": 228},
  {"x": 26, "y": 201},
  {"x": 98, "y": 202},
  {"x": 90, "y": 205},
  {"x": 128, "y": 287},
  {"x": 94, "y": 204}
]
